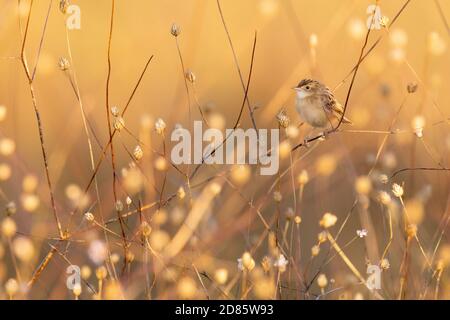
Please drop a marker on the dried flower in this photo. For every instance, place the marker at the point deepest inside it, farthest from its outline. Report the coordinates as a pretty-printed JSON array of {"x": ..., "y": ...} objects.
[
  {"x": 181, "y": 193},
  {"x": 363, "y": 185},
  {"x": 187, "y": 288},
  {"x": 361, "y": 233},
  {"x": 297, "y": 219},
  {"x": 315, "y": 250},
  {"x": 283, "y": 119},
  {"x": 418, "y": 123},
  {"x": 89, "y": 216},
  {"x": 7, "y": 147},
  {"x": 412, "y": 87},
  {"x": 328, "y": 220},
  {"x": 115, "y": 111},
  {"x": 322, "y": 237},
  {"x": 303, "y": 178},
  {"x": 9, "y": 227},
  {"x": 119, "y": 123},
  {"x": 397, "y": 190},
  {"x": 138, "y": 153},
  {"x": 175, "y": 30},
  {"x": 266, "y": 263},
  {"x": 119, "y": 206},
  {"x": 322, "y": 281},
  {"x": 128, "y": 201},
  {"x": 384, "y": 197},
  {"x": 63, "y": 5},
  {"x": 160, "y": 126},
  {"x": 11, "y": 287},
  {"x": 240, "y": 174},
  {"x": 221, "y": 276},
  {"x": 86, "y": 272},
  {"x": 247, "y": 261},
  {"x": 384, "y": 21},
  {"x": 383, "y": 178},
  {"x": 101, "y": 273},
  {"x": 77, "y": 290},
  {"x": 277, "y": 196},
  {"x": 281, "y": 263},
  {"x": 384, "y": 264},
  {"x": 190, "y": 76},
  {"x": 146, "y": 229},
  {"x": 115, "y": 258},
  {"x": 11, "y": 208},
  {"x": 411, "y": 230},
  {"x": 23, "y": 249},
  {"x": 63, "y": 64}
]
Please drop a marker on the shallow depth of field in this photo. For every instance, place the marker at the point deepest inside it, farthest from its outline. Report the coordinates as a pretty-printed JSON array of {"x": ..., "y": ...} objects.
[{"x": 93, "y": 208}]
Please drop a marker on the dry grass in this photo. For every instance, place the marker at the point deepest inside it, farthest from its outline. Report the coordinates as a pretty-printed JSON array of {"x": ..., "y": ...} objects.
[{"x": 101, "y": 191}]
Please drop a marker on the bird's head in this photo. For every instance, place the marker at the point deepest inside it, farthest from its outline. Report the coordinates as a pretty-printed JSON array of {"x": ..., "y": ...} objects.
[{"x": 306, "y": 88}]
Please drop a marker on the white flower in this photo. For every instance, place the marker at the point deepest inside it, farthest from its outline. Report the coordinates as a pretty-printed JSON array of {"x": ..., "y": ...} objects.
[{"x": 362, "y": 233}]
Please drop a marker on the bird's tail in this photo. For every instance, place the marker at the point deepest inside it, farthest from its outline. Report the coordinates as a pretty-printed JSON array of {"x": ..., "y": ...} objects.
[{"x": 347, "y": 121}]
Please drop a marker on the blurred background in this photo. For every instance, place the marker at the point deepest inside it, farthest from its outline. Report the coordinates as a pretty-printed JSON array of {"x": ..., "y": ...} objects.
[{"x": 196, "y": 238}]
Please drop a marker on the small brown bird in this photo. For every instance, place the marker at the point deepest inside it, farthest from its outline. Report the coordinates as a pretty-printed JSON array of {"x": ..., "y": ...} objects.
[{"x": 317, "y": 105}]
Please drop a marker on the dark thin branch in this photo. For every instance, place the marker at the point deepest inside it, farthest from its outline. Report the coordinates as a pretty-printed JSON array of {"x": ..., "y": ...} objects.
[{"x": 418, "y": 169}]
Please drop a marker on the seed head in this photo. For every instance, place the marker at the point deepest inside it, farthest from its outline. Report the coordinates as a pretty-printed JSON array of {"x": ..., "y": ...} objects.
[
  {"x": 63, "y": 64},
  {"x": 322, "y": 281},
  {"x": 175, "y": 30},
  {"x": 101, "y": 273},
  {"x": 303, "y": 178},
  {"x": 63, "y": 5},
  {"x": 283, "y": 119},
  {"x": 138, "y": 153},
  {"x": 277, "y": 196},
  {"x": 9, "y": 227},
  {"x": 328, "y": 220},
  {"x": 384, "y": 264},
  {"x": 89, "y": 216},
  {"x": 397, "y": 190},
  {"x": 119, "y": 123},
  {"x": 160, "y": 126},
  {"x": 412, "y": 87},
  {"x": 315, "y": 250},
  {"x": 221, "y": 276},
  {"x": 11, "y": 287},
  {"x": 411, "y": 230},
  {"x": 11, "y": 208},
  {"x": 146, "y": 229},
  {"x": 190, "y": 76},
  {"x": 77, "y": 290},
  {"x": 115, "y": 111},
  {"x": 119, "y": 206},
  {"x": 181, "y": 193}
]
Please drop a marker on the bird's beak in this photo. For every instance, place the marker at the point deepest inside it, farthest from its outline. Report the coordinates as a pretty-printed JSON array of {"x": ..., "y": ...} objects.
[{"x": 295, "y": 88}]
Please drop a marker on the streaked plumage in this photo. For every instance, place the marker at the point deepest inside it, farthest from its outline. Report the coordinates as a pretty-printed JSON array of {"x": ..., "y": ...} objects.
[{"x": 317, "y": 105}]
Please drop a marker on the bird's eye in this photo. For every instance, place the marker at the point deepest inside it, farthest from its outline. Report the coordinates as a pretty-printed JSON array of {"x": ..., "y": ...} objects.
[{"x": 307, "y": 87}]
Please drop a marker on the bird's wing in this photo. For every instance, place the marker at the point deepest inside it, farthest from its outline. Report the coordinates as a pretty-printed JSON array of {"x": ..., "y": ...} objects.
[{"x": 332, "y": 106}]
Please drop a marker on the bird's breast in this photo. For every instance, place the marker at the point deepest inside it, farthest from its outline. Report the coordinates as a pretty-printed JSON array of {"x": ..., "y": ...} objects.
[{"x": 312, "y": 112}]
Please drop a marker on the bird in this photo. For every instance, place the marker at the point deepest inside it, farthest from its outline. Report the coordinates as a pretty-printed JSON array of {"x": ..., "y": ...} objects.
[{"x": 317, "y": 105}]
